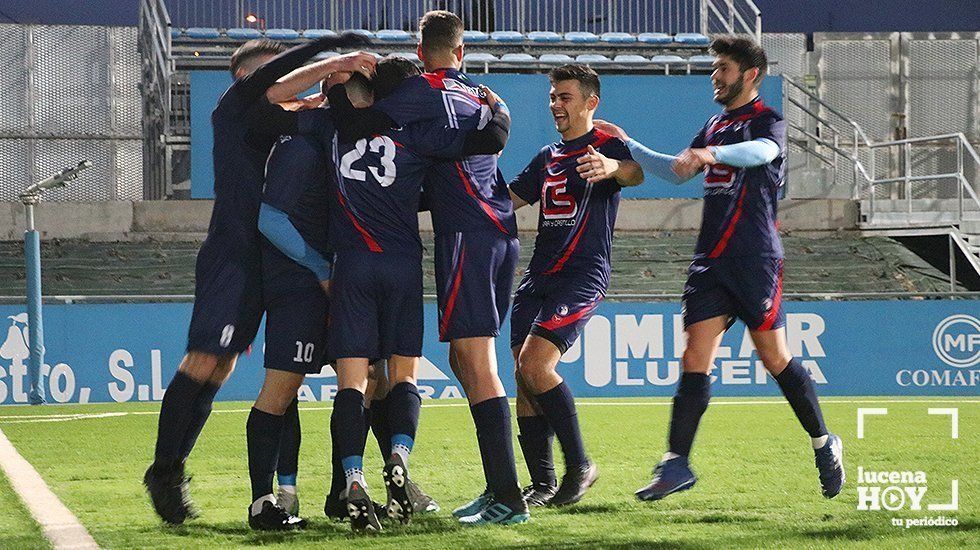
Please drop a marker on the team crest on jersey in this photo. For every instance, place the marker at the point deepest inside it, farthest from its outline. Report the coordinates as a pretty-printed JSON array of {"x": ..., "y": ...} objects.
[{"x": 767, "y": 304}]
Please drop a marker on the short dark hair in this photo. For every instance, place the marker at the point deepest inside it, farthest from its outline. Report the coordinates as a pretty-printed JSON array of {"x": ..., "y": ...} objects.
[
  {"x": 389, "y": 73},
  {"x": 588, "y": 80},
  {"x": 744, "y": 51},
  {"x": 249, "y": 51},
  {"x": 441, "y": 31}
]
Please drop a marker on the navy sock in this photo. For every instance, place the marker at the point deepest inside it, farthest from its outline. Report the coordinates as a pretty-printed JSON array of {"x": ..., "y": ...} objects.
[
  {"x": 404, "y": 406},
  {"x": 289, "y": 444},
  {"x": 690, "y": 402},
  {"x": 262, "y": 434},
  {"x": 176, "y": 412},
  {"x": 802, "y": 396},
  {"x": 379, "y": 425},
  {"x": 199, "y": 416},
  {"x": 559, "y": 407},
  {"x": 347, "y": 427},
  {"x": 536, "y": 439},
  {"x": 493, "y": 432},
  {"x": 337, "y": 480}
]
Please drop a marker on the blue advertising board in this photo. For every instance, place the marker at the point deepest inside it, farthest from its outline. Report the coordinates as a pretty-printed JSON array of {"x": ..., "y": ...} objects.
[
  {"x": 128, "y": 352},
  {"x": 662, "y": 112}
]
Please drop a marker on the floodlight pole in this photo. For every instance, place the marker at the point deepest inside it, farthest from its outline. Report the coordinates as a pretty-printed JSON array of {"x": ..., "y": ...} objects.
[{"x": 32, "y": 260}]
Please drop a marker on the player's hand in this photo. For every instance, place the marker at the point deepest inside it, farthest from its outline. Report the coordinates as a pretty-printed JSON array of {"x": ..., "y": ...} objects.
[
  {"x": 687, "y": 164},
  {"x": 355, "y": 62},
  {"x": 338, "y": 77},
  {"x": 311, "y": 101},
  {"x": 325, "y": 285},
  {"x": 595, "y": 166},
  {"x": 610, "y": 128},
  {"x": 493, "y": 100}
]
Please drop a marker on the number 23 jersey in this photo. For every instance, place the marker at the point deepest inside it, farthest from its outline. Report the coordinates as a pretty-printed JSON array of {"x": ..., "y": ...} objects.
[{"x": 575, "y": 218}]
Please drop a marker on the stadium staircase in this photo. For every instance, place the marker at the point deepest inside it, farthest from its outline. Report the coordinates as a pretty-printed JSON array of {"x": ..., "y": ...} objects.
[{"x": 931, "y": 207}]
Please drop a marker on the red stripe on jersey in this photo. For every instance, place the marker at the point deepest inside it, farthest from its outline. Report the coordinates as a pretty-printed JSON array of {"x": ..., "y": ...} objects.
[
  {"x": 486, "y": 207},
  {"x": 435, "y": 79},
  {"x": 571, "y": 248},
  {"x": 757, "y": 109},
  {"x": 453, "y": 293},
  {"x": 601, "y": 139},
  {"x": 372, "y": 245},
  {"x": 730, "y": 230},
  {"x": 558, "y": 322},
  {"x": 774, "y": 310}
]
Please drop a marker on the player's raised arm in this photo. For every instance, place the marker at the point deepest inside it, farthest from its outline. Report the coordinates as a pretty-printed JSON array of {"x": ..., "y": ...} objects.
[
  {"x": 302, "y": 78},
  {"x": 651, "y": 162}
]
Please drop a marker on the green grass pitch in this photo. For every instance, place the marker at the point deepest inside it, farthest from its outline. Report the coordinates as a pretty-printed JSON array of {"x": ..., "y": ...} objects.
[{"x": 757, "y": 484}]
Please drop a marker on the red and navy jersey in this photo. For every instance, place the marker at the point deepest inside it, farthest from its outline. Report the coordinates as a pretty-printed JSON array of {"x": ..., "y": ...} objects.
[
  {"x": 463, "y": 195},
  {"x": 739, "y": 216},
  {"x": 378, "y": 182},
  {"x": 296, "y": 182},
  {"x": 576, "y": 218}
]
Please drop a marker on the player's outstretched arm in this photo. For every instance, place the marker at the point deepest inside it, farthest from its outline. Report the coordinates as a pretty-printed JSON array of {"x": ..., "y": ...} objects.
[
  {"x": 301, "y": 79},
  {"x": 651, "y": 162},
  {"x": 594, "y": 166},
  {"x": 275, "y": 225}
]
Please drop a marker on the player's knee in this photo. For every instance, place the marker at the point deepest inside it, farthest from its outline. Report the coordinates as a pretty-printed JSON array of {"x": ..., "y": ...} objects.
[
  {"x": 695, "y": 361},
  {"x": 198, "y": 366},
  {"x": 775, "y": 360}
]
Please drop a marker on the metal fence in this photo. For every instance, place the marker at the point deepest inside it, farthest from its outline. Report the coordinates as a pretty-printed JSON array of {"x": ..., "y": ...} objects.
[
  {"x": 633, "y": 16},
  {"x": 68, "y": 93}
]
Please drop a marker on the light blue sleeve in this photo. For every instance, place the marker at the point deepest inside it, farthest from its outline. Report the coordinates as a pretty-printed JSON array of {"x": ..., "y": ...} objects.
[
  {"x": 654, "y": 163},
  {"x": 275, "y": 225},
  {"x": 746, "y": 154}
]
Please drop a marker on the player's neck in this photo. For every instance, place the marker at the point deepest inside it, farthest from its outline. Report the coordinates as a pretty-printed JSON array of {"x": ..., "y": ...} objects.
[
  {"x": 744, "y": 99},
  {"x": 577, "y": 131},
  {"x": 441, "y": 63}
]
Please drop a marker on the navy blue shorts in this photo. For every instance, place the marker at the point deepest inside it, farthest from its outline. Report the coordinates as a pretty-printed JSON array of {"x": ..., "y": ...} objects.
[
  {"x": 228, "y": 303},
  {"x": 747, "y": 288},
  {"x": 295, "y": 321},
  {"x": 375, "y": 306},
  {"x": 474, "y": 278},
  {"x": 554, "y": 307}
]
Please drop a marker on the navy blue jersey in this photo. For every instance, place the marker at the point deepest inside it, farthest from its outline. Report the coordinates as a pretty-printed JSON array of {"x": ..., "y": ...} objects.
[
  {"x": 576, "y": 218},
  {"x": 296, "y": 183},
  {"x": 739, "y": 216},
  {"x": 463, "y": 195}
]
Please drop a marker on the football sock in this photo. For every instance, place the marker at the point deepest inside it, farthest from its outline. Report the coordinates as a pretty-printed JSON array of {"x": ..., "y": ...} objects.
[
  {"x": 493, "y": 433},
  {"x": 795, "y": 382},
  {"x": 404, "y": 406},
  {"x": 348, "y": 430},
  {"x": 536, "y": 438},
  {"x": 690, "y": 402},
  {"x": 262, "y": 434},
  {"x": 559, "y": 407},
  {"x": 338, "y": 483},
  {"x": 379, "y": 425},
  {"x": 289, "y": 444},
  {"x": 176, "y": 411},
  {"x": 199, "y": 416}
]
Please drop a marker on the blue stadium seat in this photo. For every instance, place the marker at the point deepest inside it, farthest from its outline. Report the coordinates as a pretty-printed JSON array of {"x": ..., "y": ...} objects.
[
  {"x": 517, "y": 58},
  {"x": 363, "y": 32},
  {"x": 694, "y": 38},
  {"x": 590, "y": 58},
  {"x": 394, "y": 35},
  {"x": 702, "y": 59},
  {"x": 544, "y": 36},
  {"x": 667, "y": 59},
  {"x": 479, "y": 57},
  {"x": 617, "y": 38},
  {"x": 243, "y": 34},
  {"x": 473, "y": 37},
  {"x": 654, "y": 38},
  {"x": 555, "y": 58},
  {"x": 313, "y": 34},
  {"x": 411, "y": 56},
  {"x": 175, "y": 33},
  {"x": 630, "y": 58},
  {"x": 281, "y": 34},
  {"x": 581, "y": 37},
  {"x": 203, "y": 33},
  {"x": 506, "y": 36}
]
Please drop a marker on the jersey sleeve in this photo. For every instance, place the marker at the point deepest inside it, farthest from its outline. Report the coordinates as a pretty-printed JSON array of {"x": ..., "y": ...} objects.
[
  {"x": 527, "y": 184},
  {"x": 769, "y": 125},
  {"x": 291, "y": 164},
  {"x": 616, "y": 148}
]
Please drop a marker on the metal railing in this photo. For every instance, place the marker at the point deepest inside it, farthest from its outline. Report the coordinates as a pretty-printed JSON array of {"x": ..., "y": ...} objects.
[
  {"x": 830, "y": 134},
  {"x": 633, "y": 16}
]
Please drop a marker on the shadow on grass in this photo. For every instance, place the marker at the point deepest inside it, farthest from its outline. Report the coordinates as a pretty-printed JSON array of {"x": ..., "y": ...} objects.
[
  {"x": 607, "y": 544},
  {"x": 588, "y": 509}
]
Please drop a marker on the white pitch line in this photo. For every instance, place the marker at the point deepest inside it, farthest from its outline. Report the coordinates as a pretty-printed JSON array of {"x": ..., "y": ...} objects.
[
  {"x": 59, "y": 524},
  {"x": 33, "y": 418}
]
